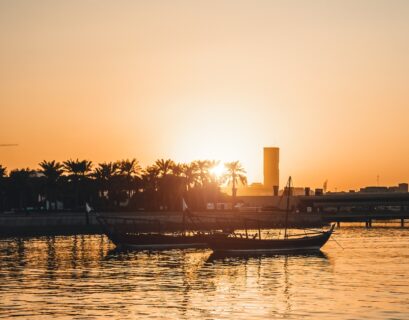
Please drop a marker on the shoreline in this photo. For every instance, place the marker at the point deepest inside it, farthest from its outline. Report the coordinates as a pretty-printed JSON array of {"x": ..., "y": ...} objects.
[{"x": 58, "y": 223}]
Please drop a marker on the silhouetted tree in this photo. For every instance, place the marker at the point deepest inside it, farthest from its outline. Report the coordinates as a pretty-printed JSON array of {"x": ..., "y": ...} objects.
[
  {"x": 203, "y": 167},
  {"x": 103, "y": 176},
  {"x": 177, "y": 169},
  {"x": 78, "y": 172},
  {"x": 164, "y": 166},
  {"x": 3, "y": 175},
  {"x": 131, "y": 171},
  {"x": 190, "y": 174},
  {"x": 150, "y": 185},
  {"x": 235, "y": 173},
  {"x": 213, "y": 190},
  {"x": 77, "y": 168},
  {"x": 3, "y": 171},
  {"x": 23, "y": 189},
  {"x": 213, "y": 177},
  {"x": 164, "y": 183},
  {"x": 52, "y": 172},
  {"x": 73, "y": 182}
]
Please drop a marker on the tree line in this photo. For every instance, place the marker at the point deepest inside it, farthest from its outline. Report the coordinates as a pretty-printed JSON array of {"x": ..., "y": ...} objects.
[{"x": 120, "y": 185}]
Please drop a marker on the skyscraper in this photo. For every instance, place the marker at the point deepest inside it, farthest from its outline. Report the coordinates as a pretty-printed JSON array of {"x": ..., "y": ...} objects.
[{"x": 271, "y": 167}]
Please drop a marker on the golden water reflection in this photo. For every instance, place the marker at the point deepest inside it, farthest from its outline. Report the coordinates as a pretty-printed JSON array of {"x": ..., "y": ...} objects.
[{"x": 85, "y": 277}]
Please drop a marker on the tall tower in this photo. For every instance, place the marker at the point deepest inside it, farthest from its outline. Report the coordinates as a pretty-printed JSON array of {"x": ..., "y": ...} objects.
[{"x": 271, "y": 168}]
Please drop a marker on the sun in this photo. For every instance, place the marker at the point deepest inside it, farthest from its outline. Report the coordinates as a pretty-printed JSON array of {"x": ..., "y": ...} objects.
[{"x": 218, "y": 170}]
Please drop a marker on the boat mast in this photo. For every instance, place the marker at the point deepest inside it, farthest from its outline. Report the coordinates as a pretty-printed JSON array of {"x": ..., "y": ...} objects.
[
  {"x": 288, "y": 207},
  {"x": 183, "y": 222},
  {"x": 184, "y": 209}
]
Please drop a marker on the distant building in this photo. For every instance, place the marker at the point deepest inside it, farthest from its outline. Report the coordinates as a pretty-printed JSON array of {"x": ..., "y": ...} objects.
[
  {"x": 258, "y": 189},
  {"x": 300, "y": 191},
  {"x": 270, "y": 187},
  {"x": 271, "y": 168},
  {"x": 372, "y": 189},
  {"x": 402, "y": 187},
  {"x": 271, "y": 172},
  {"x": 254, "y": 189},
  {"x": 319, "y": 191}
]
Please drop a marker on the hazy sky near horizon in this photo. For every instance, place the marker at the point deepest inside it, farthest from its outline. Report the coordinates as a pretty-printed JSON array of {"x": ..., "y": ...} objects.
[{"x": 326, "y": 81}]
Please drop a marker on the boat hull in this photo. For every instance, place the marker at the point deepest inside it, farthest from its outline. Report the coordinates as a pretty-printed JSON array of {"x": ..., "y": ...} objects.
[
  {"x": 156, "y": 241},
  {"x": 222, "y": 243},
  {"x": 124, "y": 239}
]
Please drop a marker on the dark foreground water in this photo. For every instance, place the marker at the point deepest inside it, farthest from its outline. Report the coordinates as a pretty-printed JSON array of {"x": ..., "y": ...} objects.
[{"x": 82, "y": 278}]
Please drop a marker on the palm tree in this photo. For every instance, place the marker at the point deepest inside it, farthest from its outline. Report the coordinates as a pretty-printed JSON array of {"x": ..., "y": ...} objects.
[
  {"x": 164, "y": 166},
  {"x": 20, "y": 186},
  {"x": 78, "y": 169},
  {"x": 103, "y": 175},
  {"x": 3, "y": 171},
  {"x": 177, "y": 169},
  {"x": 78, "y": 172},
  {"x": 3, "y": 174},
  {"x": 52, "y": 171},
  {"x": 213, "y": 189},
  {"x": 213, "y": 177},
  {"x": 165, "y": 181},
  {"x": 235, "y": 174},
  {"x": 190, "y": 173},
  {"x": 150, "y": 178},
  {"x": 131, "y": 171},
  {"x": 150, "y": 184},
  {"x": 203, "y": 167},
  {"x": 172, "y": 187}
]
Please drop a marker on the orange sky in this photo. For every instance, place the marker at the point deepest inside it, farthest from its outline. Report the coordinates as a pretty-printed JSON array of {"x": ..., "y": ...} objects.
[{"x": 326, "y": 81}]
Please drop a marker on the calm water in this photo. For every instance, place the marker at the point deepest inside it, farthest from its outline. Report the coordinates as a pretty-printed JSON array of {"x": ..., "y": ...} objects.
[{"x": 83, "y": 278}]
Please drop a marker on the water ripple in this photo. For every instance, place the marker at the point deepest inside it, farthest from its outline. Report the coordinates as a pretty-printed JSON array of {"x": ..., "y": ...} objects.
[{"x": 84, "y": 277}]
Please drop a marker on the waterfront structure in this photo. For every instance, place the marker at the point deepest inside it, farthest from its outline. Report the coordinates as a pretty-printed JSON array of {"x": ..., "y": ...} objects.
[
  {"x": 255, "y": 189},
  {"x": 271, "y": 168},
  {"x": 402, "y": 187}
]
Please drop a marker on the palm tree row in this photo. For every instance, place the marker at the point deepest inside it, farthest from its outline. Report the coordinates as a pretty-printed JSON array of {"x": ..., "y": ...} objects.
[{"x": 119, "y": 185}]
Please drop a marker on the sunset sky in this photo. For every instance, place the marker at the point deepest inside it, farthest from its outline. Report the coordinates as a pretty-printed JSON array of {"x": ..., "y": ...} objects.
[{"x": 326, "y": 81}]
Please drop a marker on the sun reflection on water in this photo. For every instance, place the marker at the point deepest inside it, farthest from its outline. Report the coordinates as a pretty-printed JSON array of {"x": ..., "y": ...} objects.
[{"x": 84, "y": 276}]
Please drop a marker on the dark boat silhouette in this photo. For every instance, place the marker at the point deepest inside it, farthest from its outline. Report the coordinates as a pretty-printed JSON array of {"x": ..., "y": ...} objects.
[
  {"x": 152, "y": 241},
  {"x": 128, "y": 233},
  {"x": 230, "y": 242}
]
